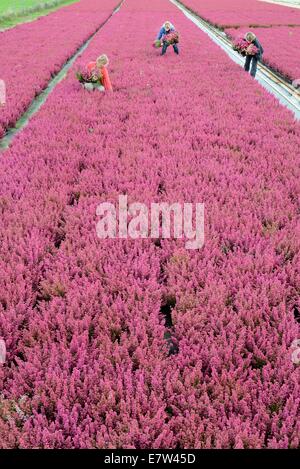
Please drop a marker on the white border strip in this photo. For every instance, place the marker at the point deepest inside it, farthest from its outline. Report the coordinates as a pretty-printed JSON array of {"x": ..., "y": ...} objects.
[{"x": 291, "y": 4}]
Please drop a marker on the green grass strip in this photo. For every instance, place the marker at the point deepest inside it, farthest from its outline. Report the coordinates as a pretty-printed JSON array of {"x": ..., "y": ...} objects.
[{"x": 22, "y": 11}]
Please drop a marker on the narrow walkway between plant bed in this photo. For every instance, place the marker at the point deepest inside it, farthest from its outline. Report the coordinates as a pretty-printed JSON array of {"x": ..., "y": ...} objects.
[
  {"x": 42, "y": 97},
  {"x": 282, "y": 90}
]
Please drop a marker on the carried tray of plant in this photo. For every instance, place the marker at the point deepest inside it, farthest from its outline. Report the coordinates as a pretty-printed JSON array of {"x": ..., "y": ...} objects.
[
  {"x": 90, "y": 80},
  {"x": 244, "y": 47},
  {"x": 171, "y": 38}
]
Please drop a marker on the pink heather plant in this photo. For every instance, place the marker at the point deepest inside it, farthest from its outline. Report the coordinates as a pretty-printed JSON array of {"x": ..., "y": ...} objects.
[
  {"x": 83, "y": 75},
  {"x": 171, "y": 38},
  {"x": 88, "y": 364},
  {"x": 241, "y": 45},
  {"x": 252, "y": 50}
]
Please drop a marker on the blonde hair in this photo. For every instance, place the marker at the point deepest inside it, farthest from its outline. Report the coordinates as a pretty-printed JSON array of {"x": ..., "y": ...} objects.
[
  {"x": 250, "y": 37},
  {"x": 167, "y": 23},
  {"x": 102, "y": 60}
]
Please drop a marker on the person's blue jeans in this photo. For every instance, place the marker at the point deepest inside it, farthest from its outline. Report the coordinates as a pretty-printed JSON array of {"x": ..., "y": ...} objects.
[
  {"x": 165, "y": 47},
  {"x": 254, "y": 60}
]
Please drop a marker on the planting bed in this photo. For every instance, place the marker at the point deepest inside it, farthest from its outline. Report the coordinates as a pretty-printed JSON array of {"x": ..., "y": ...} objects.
[{"x": 85, "y": 320}]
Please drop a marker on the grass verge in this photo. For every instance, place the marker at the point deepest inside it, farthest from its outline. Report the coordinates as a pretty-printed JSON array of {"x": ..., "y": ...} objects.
[{"x": 11, "y": 15}]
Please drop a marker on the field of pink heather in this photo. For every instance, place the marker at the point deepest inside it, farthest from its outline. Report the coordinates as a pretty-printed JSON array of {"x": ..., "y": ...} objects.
[
  {"x": 36, "y": 51},
  {"x": 234, "y": 13},
  {"x": 88, "y": 363},
  {"x": 281, "y": 48}
]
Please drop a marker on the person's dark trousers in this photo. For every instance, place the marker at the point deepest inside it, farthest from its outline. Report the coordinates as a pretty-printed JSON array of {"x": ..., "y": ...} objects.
[
  {"x": 254, "y": 60},
  {"x": 176, "y": 50},
  {"x": 165, "y": 47}
]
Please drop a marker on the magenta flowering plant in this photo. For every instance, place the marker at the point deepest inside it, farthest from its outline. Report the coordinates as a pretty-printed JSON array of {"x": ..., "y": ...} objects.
[
  {"x": 241, "y": 45},
  {"x": 244, "y": 47},
  {"x": 252, "y": 50},
  {"x": 84, "y": 75},
  {"x": 171, "y": 38}
]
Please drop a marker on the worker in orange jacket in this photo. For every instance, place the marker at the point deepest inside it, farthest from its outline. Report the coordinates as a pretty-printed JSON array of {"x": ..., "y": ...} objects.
[{"x": 101, "y": 64}]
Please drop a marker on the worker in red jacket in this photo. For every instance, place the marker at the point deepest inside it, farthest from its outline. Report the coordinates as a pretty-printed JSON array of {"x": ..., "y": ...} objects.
[{"x": 101, "y": 64}]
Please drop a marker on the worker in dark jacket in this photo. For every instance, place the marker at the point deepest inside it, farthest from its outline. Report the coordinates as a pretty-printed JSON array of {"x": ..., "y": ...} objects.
[
  {"x": 167, "y": 28},
  {"x": 250, "y": 37}
]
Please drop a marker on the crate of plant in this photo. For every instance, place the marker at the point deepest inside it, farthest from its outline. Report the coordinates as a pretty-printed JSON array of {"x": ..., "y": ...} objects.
[
  {"x": 171, "y": 38},
  {"x": 90, "y": 80},
  {"x": 244, "y": 47}
]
